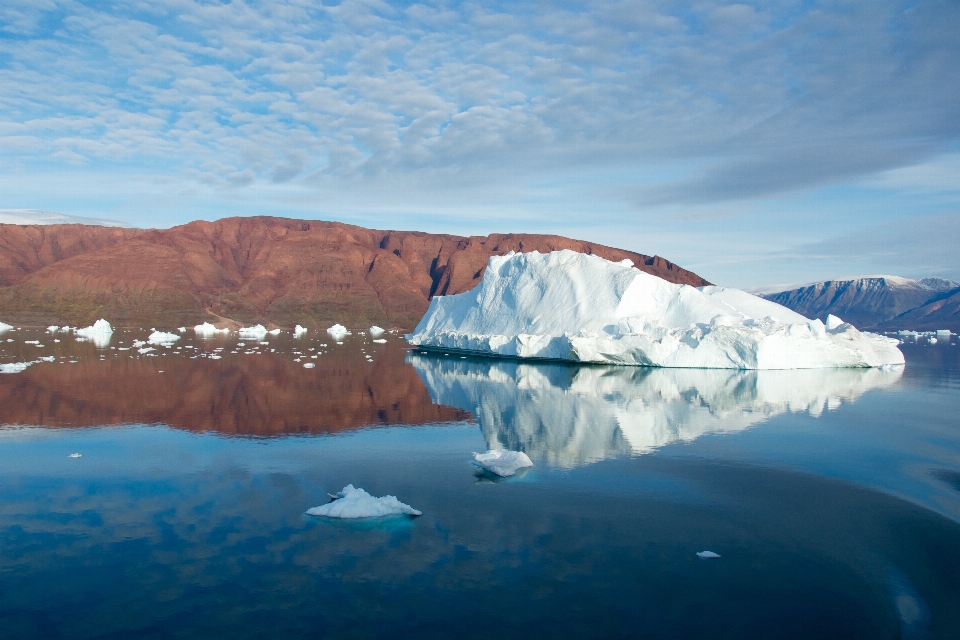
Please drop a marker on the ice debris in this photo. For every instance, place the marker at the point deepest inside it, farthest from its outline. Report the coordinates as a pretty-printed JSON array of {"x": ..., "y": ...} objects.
[
  {"x": 99, "y": 333},
  {"x": 299, "y": 331},
  {"x": 159, "y": 337},
  {"x": 503, "y": 463},
  {"x": 75, "y": 455},
  {"x": 338, "y": 332},
  {"x": 707, "y": 555},
  {"x": 4, "y": 327},
  {"x": 207, "y": 330},
  {"x": 353, "y": 502},
  {"x": 14, "y": 367},
  {"x": 255, "y": 332},
  {"x": 566, "y": 305},
  {"x": 53, "y": 328},
  {"x": 376, "y": 332},
  {"x": 380, "y": 341},
  {"x": 308, "y": 365}
]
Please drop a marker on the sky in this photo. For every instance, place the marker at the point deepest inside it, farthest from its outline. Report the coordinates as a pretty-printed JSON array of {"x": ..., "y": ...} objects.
[{"x": 756, "y": 144}]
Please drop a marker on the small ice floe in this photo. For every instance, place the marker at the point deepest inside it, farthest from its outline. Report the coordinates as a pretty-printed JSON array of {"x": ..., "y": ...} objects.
[
  {"x": 255, "y": 332},
  {"x": 4, "y": 327},
  {"x": 309, "y": 365},
  {"x": 207, "y": 330},
  {"x": 299, "y": 331},
  {"x": 338, "y": 332},
  {"x": 31, "y": 342},
  {"x": 146, "y": 350},
  {"x": 501, "y": 462},
  {"x": 14, "y": 367},
  {"x": 182, "y": 329},
  {"x": 707, "y": 555},
  {"x": 161, "y": 337},
  {"x": 53, "y": 328},
  {"x": 99, "y": 333},
  {"x": 214, "y": 357},
  {"x": 376, "y": 332},
  {"x": 380, "y": 341},
  {"x": 353, "y": 502},
  {"x": 75, "y": 455}
]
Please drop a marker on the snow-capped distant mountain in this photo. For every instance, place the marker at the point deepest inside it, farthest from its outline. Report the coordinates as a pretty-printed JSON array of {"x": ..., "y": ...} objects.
[
  {"x": 37, "y": 216},
  {"x": 870, "y": 301}
]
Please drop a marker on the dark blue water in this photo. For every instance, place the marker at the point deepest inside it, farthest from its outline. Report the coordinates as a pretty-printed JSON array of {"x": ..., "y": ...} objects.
[{"x": 833, "y": 499}]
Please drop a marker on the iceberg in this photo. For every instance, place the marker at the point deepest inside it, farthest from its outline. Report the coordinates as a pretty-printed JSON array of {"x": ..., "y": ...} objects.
[
  {"x": 99, "y": 334},
  {"x": 160, "y": 337},
  {"x": 207, "y": 330},
  {"x": 4, "y": 327},
  {"x": 571, "y": 306},
  {"x": 707, "y": 555},
  {"x": 503, "y": 463},
  {"x": 14, "y": 367},
  {"x": 376, "y": 332},
  {"x": 299, "y": 331},
  {"x": 53, "y": 328},
  {"x": 338, "y": 332},
  {"x": 255, "y": 333},
  {"x": 353, "y": 502}
]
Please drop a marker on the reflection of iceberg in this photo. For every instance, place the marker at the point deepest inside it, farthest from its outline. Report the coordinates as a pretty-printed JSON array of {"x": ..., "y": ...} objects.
[{"x": 570, "y": 414}]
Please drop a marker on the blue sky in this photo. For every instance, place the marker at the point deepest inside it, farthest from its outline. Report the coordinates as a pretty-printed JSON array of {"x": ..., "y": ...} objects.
[{"x": 778, "y": 142}]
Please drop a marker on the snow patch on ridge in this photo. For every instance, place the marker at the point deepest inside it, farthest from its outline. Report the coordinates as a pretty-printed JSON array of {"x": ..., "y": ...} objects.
[{"x": 566, "y": 305}]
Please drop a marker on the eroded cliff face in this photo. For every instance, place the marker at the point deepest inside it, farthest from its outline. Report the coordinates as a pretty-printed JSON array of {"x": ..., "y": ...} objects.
[{"x": 271, "y": 270}]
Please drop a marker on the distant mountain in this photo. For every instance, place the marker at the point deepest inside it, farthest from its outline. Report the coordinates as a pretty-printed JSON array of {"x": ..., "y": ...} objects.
[
  {"x": 260, "y": 269},
  {"x": 887, "y": 302},
  {"x": 38, "y": 216}
]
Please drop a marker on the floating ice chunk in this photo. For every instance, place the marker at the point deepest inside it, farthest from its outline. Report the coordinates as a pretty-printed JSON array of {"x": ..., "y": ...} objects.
[
  {"x": 943, "y": 332},
  {"x": 4, "y": 327},
  {"x": 255, "y": 332},
  {"x": 299, "y": 331},
  {"x": 53, "y": 328},
  {"x": 99, "y": 333},
  {"x": 146, "y": 350},
  {"x": 207, "y": 330},
  {"x": 275, "y": 332},
  {"x": 707, "y": 555},
  {"x": 376, "y": 332},
  {"x": 571, "y": 306},
  {"x": 352, "y": 502},
  {"x": 31, "y": 342},
  {"x": 338, "y": 332},
  {"x": 159, "y": 337},
  {"x": 501, "y": 462},
  {"x": 75, "y": 455},
  {"x": 380, "y": 341},
  {"x": 308, "y": 365},
  {"x": 182, "y": 329},
  {"x": 215, "y": 357},
  {"x": 14, "y": 367},
  {"x": 833, "y": 322}
]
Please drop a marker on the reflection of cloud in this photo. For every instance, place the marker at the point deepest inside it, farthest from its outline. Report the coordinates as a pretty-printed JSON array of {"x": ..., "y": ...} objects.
[{"x": 569, "y": 415}]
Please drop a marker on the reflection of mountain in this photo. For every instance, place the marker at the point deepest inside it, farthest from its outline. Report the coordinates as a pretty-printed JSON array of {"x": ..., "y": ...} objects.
[
  {"x": 569, "y": 415},
  {"x": 263, "y": 394}
]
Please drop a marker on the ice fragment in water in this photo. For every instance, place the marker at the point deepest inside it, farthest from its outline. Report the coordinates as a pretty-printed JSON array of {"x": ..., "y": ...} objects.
[
  {"x": 571, "y": 306},
  {"x": 503, "y": 463},
  {"x": 255, "y": 332},
  {"x": 352, "y": 502},
  {"x": 207, "y": 330},
  {"x": 4, "y": 327},
  {"x": 53, "y": 328},
  {"x": 75, "y": 455},
  {"x": 99, "y": 333},
  {"x": 299, "y": 331},
  {"x": 376, "y": 332},
  {"x": 380, "y": 341},
  {"x": 275, "y": 332},
  {"x": 14, "y": 367},
  {"x": 308, "y": 365},
  {"x": 338, "y": 332},
  {"x": 707, "y": 555},
  {"x": 159, "y": 337}
]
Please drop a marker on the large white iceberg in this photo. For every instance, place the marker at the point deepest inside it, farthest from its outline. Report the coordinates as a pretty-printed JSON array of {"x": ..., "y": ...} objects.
[
  {"x": 353, "y": 502},
  {"x": 572, "y": 306},
  {"x": 99, "y": 333}
]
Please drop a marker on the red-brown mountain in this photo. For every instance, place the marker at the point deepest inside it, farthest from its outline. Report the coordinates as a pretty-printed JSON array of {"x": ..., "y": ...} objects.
[{"x": 271, "y": 270}]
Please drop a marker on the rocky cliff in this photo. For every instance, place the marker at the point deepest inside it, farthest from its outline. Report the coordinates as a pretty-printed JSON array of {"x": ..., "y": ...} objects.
[{"x": 261, "y": 269}]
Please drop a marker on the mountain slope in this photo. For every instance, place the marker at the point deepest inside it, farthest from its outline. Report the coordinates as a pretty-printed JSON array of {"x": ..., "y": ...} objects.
[
  {"x": 260, "y": 269},
  {"x": 943, "y": 312},
  {"x": 864, "y": 302}
]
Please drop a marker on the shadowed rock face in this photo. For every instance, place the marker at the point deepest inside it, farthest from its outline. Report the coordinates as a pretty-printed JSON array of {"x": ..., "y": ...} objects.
[
  {"x": 261, "y": 269},
  {"x": 259, "y": 395}
]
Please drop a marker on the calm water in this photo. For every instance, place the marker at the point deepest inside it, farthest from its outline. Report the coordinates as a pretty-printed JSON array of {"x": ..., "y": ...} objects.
[{"x": 833, "y": 497}]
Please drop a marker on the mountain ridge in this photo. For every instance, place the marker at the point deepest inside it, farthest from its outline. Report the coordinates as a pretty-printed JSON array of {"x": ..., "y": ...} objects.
[{"x": 275, "y": 271}]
